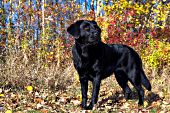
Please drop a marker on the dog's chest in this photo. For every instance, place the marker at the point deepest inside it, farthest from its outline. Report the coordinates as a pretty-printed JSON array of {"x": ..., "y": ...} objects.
[
  {"x": 84, "y": 59},
  {"x": 85, "y": 62}
]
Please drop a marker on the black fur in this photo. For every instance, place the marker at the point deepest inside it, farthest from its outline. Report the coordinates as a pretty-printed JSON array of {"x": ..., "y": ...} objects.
[{"x": 95, "y": 61}]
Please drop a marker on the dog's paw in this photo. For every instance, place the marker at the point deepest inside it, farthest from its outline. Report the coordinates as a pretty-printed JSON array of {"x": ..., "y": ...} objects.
[
  {"x": 83, "y": 106},
  {"x": 89, "y": 107},
  {"x": 128, "y": 96},
  {"x": 140, "y": 103}
]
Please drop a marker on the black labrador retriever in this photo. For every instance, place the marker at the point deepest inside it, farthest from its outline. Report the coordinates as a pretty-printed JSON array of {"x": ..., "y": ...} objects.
[{"x": 95, "y": 60}]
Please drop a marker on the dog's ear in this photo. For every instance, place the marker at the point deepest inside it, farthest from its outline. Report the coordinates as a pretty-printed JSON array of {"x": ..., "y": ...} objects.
[
  {"x": 74, "y": 29},
  {"x": 94, "y": 22}
]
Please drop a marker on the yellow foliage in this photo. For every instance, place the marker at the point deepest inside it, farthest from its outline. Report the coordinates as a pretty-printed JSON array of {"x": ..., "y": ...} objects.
[
  {"x": 8, "y": 111},
  {"x": 160, "y": 12},
  {"x": 145, "y": 104},
  {"x": 2, "y": 95}
]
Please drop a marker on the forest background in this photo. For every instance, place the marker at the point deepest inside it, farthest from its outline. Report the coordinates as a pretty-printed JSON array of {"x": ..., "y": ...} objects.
[{"x": 36, "y": 70}]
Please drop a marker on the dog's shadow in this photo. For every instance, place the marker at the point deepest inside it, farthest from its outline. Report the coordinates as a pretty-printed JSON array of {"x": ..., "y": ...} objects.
[{"x": 118, "y": 96}]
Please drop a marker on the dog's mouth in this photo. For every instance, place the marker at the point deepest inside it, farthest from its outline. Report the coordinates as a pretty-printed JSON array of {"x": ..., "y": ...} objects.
[
  {"x": 89, "y": 40},
  {"x": 94, "y": 42}
]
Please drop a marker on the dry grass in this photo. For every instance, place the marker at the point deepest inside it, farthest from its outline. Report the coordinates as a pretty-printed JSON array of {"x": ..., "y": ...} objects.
[{"x": 21, "y": 69}]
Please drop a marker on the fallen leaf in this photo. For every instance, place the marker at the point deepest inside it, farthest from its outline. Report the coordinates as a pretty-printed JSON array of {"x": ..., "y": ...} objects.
[
  {"x": 62, "y": 99},
  {"x": 157, "y": 103},
  {"x": 8, "y": 111},
  {"x": 79, "y": 97},
  {"x": 161, "y": 94},
  {"x": 75, "y": 102},
  {"x": 125, "y": 106},
  {"x": 44, "y": 111},
  {"x": 108, "y": 107},
  {"x": 39, "y": 106},
  {"x": 38, "y": 100},
  {"x": 164, "y": 102},
  {"x": 162, "y": 111},
  {"x": 13, "y": 95},
  {"x": 37, "y": 94},
  {"x": 145, "y": 104},
  {"x": 29, "y": 88},
  {"x": 2, "y": 95}
]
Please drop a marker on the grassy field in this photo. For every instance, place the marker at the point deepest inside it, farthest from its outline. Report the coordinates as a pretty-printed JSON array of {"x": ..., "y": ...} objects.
[{"x": 29, "y": 86}]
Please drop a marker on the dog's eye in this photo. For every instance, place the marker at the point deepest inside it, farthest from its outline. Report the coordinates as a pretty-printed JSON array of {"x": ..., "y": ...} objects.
[{"x": 86, "y": 28}]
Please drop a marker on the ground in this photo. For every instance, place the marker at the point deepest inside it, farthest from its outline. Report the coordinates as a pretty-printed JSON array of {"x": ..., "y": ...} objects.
[{"x": 32, "y": 99}]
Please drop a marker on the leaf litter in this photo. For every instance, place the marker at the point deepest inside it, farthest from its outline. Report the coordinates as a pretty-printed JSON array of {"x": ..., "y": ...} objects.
[{"x": 49, "y": 101}]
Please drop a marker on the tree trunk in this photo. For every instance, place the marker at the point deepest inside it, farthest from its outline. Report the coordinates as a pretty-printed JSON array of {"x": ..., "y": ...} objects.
[
  {"x": 39, "y": 26},
  {"x": 85, "y": 5},
  {"x": 9, "y": 27},
  {"x": 92, "y": 10},
  {"x": 18, "y": 32},
  {"x": 43, "y": 20},
  {"x": 99, "y": 7},
  {"x": 3, "y": 34},
  {"x": 30, "y": 33}
]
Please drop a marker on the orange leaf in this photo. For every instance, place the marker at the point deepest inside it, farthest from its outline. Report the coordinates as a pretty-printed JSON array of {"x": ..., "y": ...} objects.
[
  {"x": 38, "y": 100},
  {"x": 44, "y": 110}
]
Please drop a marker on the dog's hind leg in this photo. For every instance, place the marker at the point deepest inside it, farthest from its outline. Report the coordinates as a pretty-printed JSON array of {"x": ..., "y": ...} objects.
[
  {"x": 122, "y": 80},
  {"x": 140, "y": 91},
  {"x": 136, "y": 82}
]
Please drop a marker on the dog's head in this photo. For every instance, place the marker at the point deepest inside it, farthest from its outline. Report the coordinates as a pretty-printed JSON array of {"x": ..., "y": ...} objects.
[{"x": 85, "y": 31}]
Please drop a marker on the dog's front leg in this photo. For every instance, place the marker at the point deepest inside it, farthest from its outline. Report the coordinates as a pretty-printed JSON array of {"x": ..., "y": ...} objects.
[
  {"x": 95, "y": 92},
  {"x": 84, "y": 89}
]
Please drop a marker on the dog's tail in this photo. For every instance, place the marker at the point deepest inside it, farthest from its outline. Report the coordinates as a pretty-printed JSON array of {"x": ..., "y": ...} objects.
[{"x": 145, "y": 81}]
